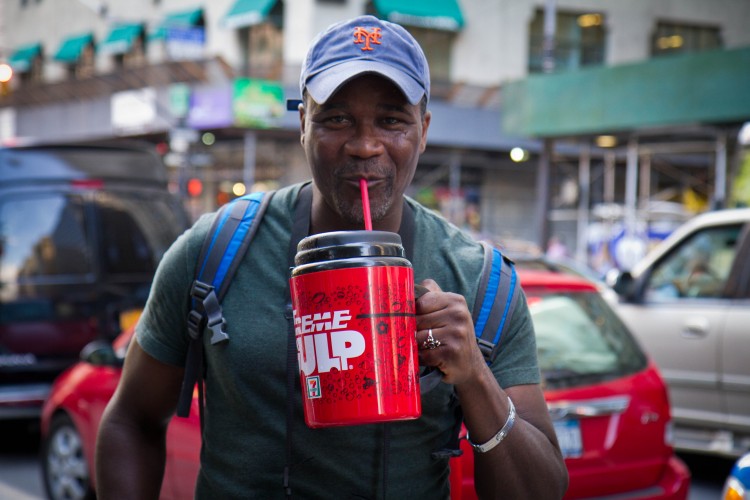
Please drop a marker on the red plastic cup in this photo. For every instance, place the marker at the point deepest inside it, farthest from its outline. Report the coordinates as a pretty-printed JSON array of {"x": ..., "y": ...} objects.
[{"x": 353, "y": 300}]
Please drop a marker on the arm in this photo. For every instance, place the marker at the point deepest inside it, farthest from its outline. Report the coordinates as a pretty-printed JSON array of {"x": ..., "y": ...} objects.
[
  {"x": 528, "y": 462},
  {"x": 131, "y": 445}
]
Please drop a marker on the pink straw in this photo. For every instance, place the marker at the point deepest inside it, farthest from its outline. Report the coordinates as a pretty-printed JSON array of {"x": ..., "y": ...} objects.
[{"x": 365, "y": 204}]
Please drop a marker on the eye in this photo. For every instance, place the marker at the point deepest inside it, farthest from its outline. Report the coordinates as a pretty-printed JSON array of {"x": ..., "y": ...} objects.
[{"x": 333, "y": 120}]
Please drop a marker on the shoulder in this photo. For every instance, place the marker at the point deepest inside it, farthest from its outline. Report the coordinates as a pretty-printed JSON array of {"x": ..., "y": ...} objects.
[
  {"x": 445, "y": 253},
  {"x": 284, "y": 199},
  {"x": 435, "y": 231}
]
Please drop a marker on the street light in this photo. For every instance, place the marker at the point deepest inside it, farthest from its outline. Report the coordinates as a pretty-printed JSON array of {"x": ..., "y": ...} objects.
[{"x": 6, "y": 74}]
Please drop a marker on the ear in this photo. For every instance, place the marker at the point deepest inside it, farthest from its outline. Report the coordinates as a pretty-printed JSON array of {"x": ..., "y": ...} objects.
[
  {"x": 425, "y": 127},
  {"x": 301, "y": 109}
]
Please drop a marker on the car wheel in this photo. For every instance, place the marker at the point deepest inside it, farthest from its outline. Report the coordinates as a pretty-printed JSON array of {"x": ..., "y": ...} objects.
[{"x": 64, "y": 465}]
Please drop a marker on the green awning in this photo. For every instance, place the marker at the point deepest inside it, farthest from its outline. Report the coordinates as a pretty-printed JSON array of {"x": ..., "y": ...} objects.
[
  {"x": 121, "y": 38},
  {"x": 682, "y": 90},
  {"x": 183, "y": 19},
  {"x": 435, "y": 14},
  {"x": 247, "y": 13},
  {"x": 72, "y": 47},
  {"x": 24, "y": 55}
]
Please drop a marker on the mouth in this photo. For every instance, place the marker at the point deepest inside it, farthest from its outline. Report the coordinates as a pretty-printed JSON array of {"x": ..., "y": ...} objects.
[{"x": 371, "y": 181}]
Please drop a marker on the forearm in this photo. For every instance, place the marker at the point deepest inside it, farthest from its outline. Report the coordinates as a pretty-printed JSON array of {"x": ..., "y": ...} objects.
[
  {"x": 129, "y": 461},
  {"x": 527, "y": 463}
]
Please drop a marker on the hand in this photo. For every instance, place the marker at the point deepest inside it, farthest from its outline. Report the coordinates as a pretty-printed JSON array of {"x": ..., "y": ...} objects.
[{"x": 457, "y": 356}]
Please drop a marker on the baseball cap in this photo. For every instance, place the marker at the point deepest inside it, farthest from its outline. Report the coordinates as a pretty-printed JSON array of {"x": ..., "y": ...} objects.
[{"x": 362, "y": 45}]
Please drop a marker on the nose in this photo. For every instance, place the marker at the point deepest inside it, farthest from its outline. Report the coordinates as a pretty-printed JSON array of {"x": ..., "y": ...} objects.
[{"x": 365, "y": 142}]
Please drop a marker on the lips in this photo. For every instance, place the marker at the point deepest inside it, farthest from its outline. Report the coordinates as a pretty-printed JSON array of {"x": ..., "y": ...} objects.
[{"x": 372, "y": 182}]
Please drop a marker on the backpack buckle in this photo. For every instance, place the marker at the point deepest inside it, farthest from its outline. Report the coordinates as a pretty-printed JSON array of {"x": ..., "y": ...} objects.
[
  {"x": 214, "y": 316},
  {"x": 486, "y": 348}
]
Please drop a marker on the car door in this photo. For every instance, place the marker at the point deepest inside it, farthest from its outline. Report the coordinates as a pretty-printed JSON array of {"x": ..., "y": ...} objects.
[
  {"x": 679, "y": 320},
  {"x": 735, "y": 350}
]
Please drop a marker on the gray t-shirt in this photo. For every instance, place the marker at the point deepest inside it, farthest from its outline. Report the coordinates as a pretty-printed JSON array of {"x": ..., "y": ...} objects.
[{"x": 244, "y": 442}]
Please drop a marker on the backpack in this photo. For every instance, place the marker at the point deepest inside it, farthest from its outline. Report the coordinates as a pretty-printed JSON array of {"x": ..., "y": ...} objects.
[{"x": 230, "y": 234}]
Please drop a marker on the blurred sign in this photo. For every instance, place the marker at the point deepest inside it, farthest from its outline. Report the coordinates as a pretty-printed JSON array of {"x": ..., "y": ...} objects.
[
  {"x": 7, "y": 124},
  {"x": 134, "y": 111},
  {"x": 185, "y": 42},
  {"x": 210, "y": 108},
  {"x": 257, "y": 103},
  {"x": 179, "y": 99}
]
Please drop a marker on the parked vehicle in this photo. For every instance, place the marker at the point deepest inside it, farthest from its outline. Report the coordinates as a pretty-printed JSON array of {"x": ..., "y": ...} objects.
[
  {"x": 737, "y": 485},
  {"x": 569, "y": 266},
  {"x": 688, "y": 303},
  {"x": 82, "y": 228},
  {"x": 608, "y": 404}
]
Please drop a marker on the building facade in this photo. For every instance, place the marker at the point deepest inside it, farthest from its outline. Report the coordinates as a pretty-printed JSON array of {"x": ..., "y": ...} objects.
[{"x": 208, "y": 82}]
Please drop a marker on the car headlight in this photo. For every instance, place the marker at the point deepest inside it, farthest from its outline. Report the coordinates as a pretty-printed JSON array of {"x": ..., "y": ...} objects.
[{"x": 733, "y": 490}]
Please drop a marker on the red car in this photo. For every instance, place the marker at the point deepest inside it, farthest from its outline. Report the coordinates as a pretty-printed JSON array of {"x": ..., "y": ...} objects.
[{"x": 607, "y": 400}]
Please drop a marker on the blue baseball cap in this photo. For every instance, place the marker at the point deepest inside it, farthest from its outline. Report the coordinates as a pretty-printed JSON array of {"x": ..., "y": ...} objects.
[{"x": 362, "y": 45}]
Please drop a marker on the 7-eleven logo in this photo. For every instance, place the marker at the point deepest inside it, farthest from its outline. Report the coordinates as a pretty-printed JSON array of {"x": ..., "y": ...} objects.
[{"x": 313, "y": 387}]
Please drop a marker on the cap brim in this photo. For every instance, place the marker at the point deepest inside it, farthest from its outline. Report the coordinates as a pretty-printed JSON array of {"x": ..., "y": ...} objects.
[{"x": 323, "y": 85}]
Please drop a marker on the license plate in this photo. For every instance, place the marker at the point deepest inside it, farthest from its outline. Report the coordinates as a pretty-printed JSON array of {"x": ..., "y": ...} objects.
[{"x": 569, "y": 436}]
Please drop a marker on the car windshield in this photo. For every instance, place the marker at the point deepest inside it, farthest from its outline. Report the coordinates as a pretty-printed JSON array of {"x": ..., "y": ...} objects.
[{"x": 580, "y": 340}]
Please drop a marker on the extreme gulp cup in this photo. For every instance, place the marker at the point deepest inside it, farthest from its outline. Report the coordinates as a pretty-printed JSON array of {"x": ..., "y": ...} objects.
[{"x": 353, "y": 300}]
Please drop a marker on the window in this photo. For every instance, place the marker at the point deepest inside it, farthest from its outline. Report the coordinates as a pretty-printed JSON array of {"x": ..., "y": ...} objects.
[
  {"x": 44, "y": 240},
  {"x": 263, "y": 46},
  {"x": 436, "y": 45},
  {"x": 580, "y": 40},
  {"x": 673, "y": 38},
  {"x": 580, "y": 339},
  {"x": 135, "y": 231},
  {"x": 697, "y": 268},
  {"x": 135, "y": 57},
  {"x": 84, "y": 66}
]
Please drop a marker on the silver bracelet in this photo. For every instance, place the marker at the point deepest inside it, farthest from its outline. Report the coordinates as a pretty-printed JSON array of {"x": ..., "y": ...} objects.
[{"x": 495, "y": 440}]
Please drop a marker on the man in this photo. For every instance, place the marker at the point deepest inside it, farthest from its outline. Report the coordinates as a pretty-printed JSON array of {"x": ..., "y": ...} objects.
[{"x": 365, "y": 86}]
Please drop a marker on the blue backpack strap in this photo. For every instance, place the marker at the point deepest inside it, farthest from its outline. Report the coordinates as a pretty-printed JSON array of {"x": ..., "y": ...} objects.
[
  {"x": 226, "y": 242},
  {"x": 497, "y": 295}
]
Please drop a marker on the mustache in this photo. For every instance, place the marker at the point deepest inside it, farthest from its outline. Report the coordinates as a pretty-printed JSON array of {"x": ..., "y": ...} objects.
[{"x": 364, "y": 168}]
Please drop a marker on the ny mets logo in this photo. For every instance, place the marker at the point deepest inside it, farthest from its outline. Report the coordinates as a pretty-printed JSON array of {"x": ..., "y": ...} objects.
[{"x": 361, "y": 35}]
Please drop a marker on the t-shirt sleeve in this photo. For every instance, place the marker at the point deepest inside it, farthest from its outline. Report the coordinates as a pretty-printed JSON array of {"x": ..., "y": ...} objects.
[{"x": 162, "y": 329}]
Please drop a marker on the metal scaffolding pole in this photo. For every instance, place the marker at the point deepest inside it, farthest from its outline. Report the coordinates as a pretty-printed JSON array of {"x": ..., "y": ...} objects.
[{"x": 584, "y": 192}]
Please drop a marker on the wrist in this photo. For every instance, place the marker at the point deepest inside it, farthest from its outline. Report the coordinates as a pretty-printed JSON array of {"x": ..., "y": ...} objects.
[{"x": 500, "y": 435}]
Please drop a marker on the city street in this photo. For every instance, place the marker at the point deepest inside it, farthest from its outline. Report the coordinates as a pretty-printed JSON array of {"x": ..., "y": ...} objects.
[{"x": 20, "y": 471}]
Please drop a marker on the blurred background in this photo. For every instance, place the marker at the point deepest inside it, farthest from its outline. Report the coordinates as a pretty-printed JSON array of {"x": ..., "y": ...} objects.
[{"x": 594, "y": 127}]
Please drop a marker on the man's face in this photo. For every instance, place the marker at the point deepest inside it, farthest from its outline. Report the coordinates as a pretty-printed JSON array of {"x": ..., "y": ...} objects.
[{"x": 367, "y": 129}]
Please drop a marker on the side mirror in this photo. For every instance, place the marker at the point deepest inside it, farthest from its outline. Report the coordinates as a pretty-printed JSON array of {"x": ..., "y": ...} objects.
[
  {"x": 100, "y": 353},
  {"x": 623, "y": 283}
]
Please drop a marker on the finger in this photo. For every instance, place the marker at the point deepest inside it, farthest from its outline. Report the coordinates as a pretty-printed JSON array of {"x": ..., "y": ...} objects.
[{"x": 431, "y": 285}]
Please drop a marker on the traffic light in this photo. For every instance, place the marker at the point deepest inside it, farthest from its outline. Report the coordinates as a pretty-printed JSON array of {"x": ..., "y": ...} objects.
[{"x": 194, "y": 187}]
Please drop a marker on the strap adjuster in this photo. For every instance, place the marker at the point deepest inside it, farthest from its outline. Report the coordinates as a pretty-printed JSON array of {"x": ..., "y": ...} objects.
[
  {"x": 195, "y": 324},
  {"x": 486, "y": 347},
  {"x": 213, "y": 316}
]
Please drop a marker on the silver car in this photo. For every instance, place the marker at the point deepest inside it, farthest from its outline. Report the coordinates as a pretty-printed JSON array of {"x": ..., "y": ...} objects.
[{"x": 688, "y": 303}]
